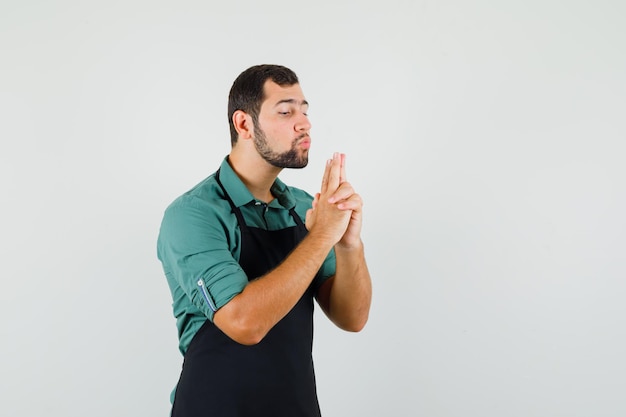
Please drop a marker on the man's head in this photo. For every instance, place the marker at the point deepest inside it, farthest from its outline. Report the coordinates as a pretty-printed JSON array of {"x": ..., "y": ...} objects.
[
  {"x": 268, "y": 115},
  {"x": 247, "y": 92}
]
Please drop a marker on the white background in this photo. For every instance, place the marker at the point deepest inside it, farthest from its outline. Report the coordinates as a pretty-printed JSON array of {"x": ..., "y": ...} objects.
[{"x": 486, "y": 138}]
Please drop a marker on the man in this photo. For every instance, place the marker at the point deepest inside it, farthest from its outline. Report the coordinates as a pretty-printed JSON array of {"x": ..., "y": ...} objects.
[{"x": 243, "y": 268}]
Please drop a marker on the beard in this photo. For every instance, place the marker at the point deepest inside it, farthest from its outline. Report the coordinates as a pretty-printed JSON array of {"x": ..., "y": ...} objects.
[{"x": 292, "y": 158}]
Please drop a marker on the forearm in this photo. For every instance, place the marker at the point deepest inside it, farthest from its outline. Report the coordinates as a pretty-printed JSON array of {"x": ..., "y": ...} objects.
[
  {"x": 349, "y": 296},
  {"x": 266, "y": 300}
]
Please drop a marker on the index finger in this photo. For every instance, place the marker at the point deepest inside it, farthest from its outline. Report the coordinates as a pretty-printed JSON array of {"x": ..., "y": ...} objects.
[
  {"x": 342, "y": 174},
  {"x": 325, "y": 177},
  {"x": 334, "y": 173}
]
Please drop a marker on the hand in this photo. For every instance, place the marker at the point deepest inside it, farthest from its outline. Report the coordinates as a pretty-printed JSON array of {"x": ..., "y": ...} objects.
[
  {"x": 353, "y": 202},
  {"x": 337, "y": 197}
]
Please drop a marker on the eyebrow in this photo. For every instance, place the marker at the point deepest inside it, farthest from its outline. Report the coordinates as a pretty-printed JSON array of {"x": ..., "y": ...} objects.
[{"x": 292, "y": 101}]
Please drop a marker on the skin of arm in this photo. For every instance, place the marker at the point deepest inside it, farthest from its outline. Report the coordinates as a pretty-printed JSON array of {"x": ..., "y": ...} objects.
[
  {"x": 250, "y": 315},
  {"x": 346, "y": 297}
]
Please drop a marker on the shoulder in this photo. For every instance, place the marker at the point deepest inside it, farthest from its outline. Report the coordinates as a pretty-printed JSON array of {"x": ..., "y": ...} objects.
[
  {"x": 207, "y": 193},
  {"x": 202, "y": 206}
]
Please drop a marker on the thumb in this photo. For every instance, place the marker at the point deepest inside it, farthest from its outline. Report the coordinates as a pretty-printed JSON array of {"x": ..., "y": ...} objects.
[
  {"x": 308, "y": 219},
  {"x": 316, "y": 200}
]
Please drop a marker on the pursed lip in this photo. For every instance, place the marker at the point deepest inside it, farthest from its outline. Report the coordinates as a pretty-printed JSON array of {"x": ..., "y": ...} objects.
[{"x": 305, "y": 142}]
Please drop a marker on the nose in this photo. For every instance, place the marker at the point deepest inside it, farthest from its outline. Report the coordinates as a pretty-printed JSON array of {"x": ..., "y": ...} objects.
[{"x": 302, "y": 123}]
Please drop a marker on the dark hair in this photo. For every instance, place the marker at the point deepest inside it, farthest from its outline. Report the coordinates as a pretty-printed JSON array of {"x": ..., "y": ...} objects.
[{"x": 247, "y": 92}]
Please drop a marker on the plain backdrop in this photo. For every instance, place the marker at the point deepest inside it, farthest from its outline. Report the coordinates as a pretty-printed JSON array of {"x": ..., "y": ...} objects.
[{"x": 486, "y": 138}]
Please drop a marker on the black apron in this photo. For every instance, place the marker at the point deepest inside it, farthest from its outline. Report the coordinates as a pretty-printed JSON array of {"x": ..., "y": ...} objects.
[{"x": 274, "y": 378}]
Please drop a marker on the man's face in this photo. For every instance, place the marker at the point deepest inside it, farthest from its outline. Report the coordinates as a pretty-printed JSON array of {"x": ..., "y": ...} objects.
[{"x": 281, "y": 135}]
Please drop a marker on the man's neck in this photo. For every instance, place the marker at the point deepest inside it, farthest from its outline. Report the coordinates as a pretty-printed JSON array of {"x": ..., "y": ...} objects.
[{"x": 256, "y": 174}]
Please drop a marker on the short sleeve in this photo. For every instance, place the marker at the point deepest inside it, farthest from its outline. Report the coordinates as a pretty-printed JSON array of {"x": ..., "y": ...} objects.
[
  {"x": 327, "y": 270},
  {"x": 193, "y": 246}
]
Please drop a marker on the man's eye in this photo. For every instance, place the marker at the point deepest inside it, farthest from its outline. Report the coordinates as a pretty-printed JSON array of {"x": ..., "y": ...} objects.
[{"x": 284, "y": 113}]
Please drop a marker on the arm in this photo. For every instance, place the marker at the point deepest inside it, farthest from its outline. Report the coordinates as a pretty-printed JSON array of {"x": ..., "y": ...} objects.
[
  {"x": 266, "y": 300},
  {"x": 346, "y": 297}
]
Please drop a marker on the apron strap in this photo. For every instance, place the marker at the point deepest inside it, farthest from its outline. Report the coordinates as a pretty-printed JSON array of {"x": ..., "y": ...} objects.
[
  {"x": 234, "y": 208},
  {"x": 238, "y": 214}
]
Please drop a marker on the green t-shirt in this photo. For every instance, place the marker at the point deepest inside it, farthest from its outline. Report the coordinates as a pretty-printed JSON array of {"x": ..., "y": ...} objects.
[{"x": 199, "y": 244}]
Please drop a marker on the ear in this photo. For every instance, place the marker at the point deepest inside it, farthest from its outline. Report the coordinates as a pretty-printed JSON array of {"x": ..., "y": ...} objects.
[{"x": 243, "y": 124}]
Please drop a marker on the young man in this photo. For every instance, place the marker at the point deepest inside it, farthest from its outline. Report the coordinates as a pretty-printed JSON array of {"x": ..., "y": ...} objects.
[{"x": 243, "y": 266}]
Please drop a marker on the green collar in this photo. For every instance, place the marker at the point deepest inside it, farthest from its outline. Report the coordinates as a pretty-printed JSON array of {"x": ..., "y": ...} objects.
[{"x": 241, "y": 196}]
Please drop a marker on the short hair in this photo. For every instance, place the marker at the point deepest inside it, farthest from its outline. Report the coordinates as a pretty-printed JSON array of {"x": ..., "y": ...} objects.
[{"x": 247, "y": 94}]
